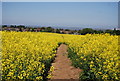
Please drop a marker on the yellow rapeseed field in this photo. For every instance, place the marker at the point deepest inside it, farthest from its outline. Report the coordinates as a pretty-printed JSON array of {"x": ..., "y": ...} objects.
[
  {"x": 28, "y": 55},
  {"x": 98, "y": 55}
]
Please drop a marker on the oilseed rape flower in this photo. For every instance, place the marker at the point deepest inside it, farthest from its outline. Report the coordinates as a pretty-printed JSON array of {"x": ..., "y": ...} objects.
[
  {"x": 28, "y": 55},
  {"x": 101, "y": 53}
]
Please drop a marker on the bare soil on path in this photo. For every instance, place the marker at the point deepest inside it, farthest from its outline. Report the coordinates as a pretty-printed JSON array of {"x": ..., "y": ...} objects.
[{"x": 63, "y": 70}]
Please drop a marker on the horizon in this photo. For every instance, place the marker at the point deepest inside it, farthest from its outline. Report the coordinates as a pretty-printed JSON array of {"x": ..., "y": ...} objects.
[
  {"x": 62, "y": 14},
  {"x": 61, "y": 27}
]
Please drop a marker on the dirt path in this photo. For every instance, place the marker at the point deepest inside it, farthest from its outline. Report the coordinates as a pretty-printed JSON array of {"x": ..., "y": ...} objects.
[{"x": 63, "y": 71}]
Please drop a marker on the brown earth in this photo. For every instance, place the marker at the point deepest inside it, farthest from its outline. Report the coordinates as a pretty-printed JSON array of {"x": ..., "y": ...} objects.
[{"x": 63, "y": 71}]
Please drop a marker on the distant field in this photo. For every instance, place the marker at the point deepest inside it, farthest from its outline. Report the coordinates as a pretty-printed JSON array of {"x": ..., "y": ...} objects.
[{"x": 28, "y": 55}]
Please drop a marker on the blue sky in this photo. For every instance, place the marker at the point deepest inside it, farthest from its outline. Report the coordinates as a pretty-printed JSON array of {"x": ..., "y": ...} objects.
[
  {"x": 62, "y": 14},
  {"x": 0, "y": 13},
  {"x": 60, "y": 0}
]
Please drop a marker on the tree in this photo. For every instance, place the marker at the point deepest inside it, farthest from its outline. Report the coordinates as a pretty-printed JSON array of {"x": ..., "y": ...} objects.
[
  {"x": 100, "y": 31},
  {"x": 67, "y": 30},
  {"x": 87, "y": 30},
  {"x": 32, "y": 30},
  {"x": 95, "y": 31},
  {"x": 117, "y": 32},
  {"x": 12, "y": 26},
  {"x": 79, "y": 31},
  {"x": 4, "y": 26},
  {"x": 109, "y": 31},
  {"x": 21, "y": 26},
  {"x": 43, "y": 28},
  {"x": 57, "y": 30},
  {"x": 49, "y": 29}
]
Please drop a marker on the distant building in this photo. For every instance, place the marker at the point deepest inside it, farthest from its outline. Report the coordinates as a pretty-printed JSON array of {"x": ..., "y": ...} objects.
[
  {"x": 76, "y": 33},
  {"x": 117, "y": 28},
  {"x": 65, "y": 32}
]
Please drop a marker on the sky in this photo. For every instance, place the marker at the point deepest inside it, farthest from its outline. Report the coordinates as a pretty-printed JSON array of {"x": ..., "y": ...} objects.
[
  {"x": 61, "y": 14},
  {"x": 0, "y": 13},
  {"x": 60, "y": 0}
]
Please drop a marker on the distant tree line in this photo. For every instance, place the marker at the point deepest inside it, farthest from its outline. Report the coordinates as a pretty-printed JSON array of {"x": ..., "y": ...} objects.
[
  {"x": 63, "y": 31},
  {"x": 14, "y": 26},
  {"x": 92, "y": 31}
]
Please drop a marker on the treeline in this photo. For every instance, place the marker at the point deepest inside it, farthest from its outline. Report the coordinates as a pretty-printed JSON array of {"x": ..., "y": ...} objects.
[
  {"x": 92, "y": 31},
  {"x": 22, "y": 28}
]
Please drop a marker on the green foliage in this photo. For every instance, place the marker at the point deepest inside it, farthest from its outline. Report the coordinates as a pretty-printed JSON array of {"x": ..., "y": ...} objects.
[
  {"x": 87, "y": 30},
  {"x": 98, "y": 59}
]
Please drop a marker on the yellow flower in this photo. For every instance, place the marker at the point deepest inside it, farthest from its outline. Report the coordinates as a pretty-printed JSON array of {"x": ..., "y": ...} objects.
[
  {"x": 24, "y": 53},
  {"x": 99, "y": 72}
]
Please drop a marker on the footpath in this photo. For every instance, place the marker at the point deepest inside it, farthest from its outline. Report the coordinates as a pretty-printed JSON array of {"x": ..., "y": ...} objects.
[{"x": 63, "y": 70}]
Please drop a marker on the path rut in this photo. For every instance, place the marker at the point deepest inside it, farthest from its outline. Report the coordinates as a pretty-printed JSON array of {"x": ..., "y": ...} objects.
[{"x": 63, "y": 71}]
